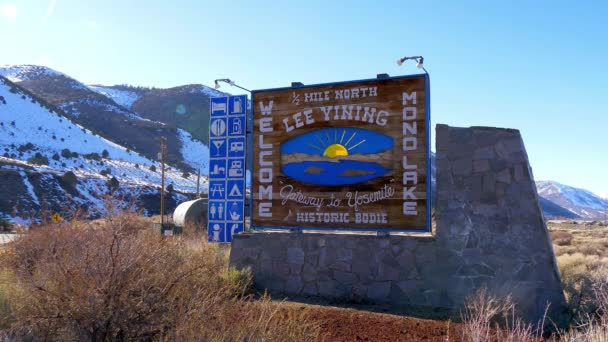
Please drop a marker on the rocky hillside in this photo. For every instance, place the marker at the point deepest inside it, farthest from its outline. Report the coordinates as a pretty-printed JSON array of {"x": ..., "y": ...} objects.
[
  {"x": 49, "y": 162},
  {"x": 185, "y": 107}
]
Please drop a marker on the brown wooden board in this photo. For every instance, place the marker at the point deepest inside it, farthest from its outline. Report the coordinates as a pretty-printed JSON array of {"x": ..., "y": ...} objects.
[{"x": 349, "y": 155}]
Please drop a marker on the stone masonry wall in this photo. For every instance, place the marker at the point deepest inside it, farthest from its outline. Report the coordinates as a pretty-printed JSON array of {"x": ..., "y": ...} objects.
[{"x": 490, "y": 233}]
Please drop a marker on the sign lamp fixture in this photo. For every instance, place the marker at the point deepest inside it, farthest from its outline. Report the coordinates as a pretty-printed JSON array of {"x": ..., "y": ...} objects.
[
  {"x": 419, "y": 61},
  {"x": 230, "y": 82}
]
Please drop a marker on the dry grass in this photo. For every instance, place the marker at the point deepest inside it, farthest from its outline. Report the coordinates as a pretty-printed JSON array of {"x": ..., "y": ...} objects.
[
  {"x": 489, "y": 318},
  {"x": 561, "y": 237},
  {"x": 582, "y": 257},
  {"x": 115, "y": 279}
]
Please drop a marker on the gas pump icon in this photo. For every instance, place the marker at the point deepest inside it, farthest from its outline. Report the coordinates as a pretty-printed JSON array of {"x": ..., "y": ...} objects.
[{"x": 238, "y": 105}]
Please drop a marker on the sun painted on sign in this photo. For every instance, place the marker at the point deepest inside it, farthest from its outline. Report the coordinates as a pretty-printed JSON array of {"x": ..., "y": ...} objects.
[{"x": 337, "y": 156}]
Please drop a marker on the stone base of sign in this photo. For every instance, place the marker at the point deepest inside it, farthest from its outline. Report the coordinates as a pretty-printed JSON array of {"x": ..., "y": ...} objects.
[{"x": 490, "y": 234}]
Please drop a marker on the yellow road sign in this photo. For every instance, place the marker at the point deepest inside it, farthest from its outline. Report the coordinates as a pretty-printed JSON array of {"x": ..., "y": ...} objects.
[{"x": 56, "y": 218}]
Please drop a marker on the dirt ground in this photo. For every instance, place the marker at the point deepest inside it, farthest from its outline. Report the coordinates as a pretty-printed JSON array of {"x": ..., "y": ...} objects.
[{"x": 346, "y": 324}]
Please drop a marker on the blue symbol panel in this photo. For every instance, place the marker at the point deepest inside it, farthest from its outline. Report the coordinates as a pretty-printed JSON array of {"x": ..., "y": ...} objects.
[
  {"x": 217, "y": 232},
  {"x": 217, "y": 168},
  {"x": 234, "y": 189},
  {"x": 217, "y": 127},
  {"x": 238, "y": 104},
  {"x": 227, "y": 129},
  {"x": 217, "y": 189},
  {"x": 234, "y": 211},
  {"x": 218, "y": 148},
  {"x": 236, "y": 147},
  {"x": 217, "y": 211},
  {"x": 236, "y": 126},
  {"x": 235, "y": 168},
  {"x": 219, "y": 106}
]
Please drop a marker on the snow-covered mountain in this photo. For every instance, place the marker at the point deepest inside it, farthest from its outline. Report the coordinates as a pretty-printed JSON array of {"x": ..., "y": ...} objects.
[
  {"x": 123, "y": 97},
  {"x": 40, "y": 147},
  {"x": 104, "y": 111},
  {"x": 581, "y": 202},
  {"x": 26, "y": 72}
]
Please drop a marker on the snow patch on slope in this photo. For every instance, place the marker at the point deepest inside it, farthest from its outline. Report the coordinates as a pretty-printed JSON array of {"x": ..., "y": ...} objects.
[
  {"x": 124, "y": 98},
  {"x": 194, "y": 152},
  {"x": 19, "y": 73},
  {"x": 29, "y": 187},
  {"x": 209, "y": 91}
]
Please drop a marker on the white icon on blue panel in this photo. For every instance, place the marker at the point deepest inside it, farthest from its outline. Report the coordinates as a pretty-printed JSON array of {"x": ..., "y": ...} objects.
[
  {"x": 238, "y": 104},
  {"x": 217, "y": 168},
  {"x": 217, "y": 210},
  {"x": 236, "y": 125},
  {"x": 217, "y": 189},
  {"x": 218, "y": 148},
  {"x": 236, "y": 147},
  {"x": 217, "y": 128},
  {"x": 234, "y": 210},
  {"x": 215, "y": 231},
  {"x": 219, "y": 106},
  {"x": 235, "y": 189},
  {"x": 235, "y": 228},
  {"x": 236, "y": 168}
]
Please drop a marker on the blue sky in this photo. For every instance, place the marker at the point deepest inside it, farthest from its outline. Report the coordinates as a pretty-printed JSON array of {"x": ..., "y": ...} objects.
[{"x": 537, "y": 66}]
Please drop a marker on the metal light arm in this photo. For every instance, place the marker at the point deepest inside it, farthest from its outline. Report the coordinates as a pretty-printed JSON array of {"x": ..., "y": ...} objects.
[
  {"x": 419, "y": 61},
  {"x": 230, "y": 82}
]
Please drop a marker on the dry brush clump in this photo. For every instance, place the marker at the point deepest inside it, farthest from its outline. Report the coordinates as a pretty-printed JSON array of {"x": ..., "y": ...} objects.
[
  {"x": 489, "y": 318},
  {"x": 117, "y": 280},
  {"x": 561, "y": 237}
]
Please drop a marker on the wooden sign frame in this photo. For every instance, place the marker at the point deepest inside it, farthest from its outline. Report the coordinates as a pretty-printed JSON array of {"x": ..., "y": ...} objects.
[{"x": 335, "y": 156}]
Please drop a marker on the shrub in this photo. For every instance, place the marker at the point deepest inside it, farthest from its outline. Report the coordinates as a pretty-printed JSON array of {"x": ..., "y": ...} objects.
[
  {"x": 113, "y": 184},
  {"x": 152, "y": 168},
  {"x": 38, "y": 159},
  {"x": 186, "y": 174},
  {"x": 578, "y": 273},
  {"x": 482, "y": 315},
  {"x": 105, "y": 153},
  {"x": 69, "y": 179},
  {"x": 92, "y": 156},
  {"x": 170, "y": 188},
  {"x": 5, "y": 226},
  {"x": 66, "y": 153},
  {"x": 150, "y": 288},
  {"x": 561, "y": 237},
  {"x": 55, "y": 156},
  {"x": 25, "y": 147}
]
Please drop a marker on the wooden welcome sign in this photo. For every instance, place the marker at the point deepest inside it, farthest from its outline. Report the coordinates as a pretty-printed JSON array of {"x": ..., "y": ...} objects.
[{"x": 351, "y": 155}]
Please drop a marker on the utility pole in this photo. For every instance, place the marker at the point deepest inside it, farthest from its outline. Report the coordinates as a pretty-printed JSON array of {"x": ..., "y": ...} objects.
[
  {"x": 162, "y": 180},
  {"x": 198, "y": 182}
]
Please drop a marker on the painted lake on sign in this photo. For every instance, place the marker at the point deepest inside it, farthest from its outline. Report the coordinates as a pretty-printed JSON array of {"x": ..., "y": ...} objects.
[{"x": 337, "y": 156}]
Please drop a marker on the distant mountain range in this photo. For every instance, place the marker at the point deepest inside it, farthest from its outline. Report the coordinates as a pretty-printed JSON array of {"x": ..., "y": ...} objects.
[
  {"x": 563, "y": 201},
  {"x": 51, "y": 124}
]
